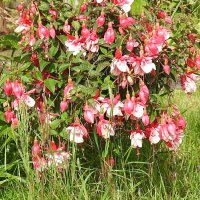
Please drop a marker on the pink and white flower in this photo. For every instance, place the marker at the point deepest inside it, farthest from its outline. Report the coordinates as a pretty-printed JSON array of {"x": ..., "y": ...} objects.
[
  {"x": 105, "y": 128},
  {"x": 112, "y": 108},
  {"x": 188, "y": 83},
  {"x": 136, "y": 138},
  {"x": 119, "y": 64},
  {"x": 124, "y": 4},
  {"x": 154, "y": 137},
  {"x": 77, "y": 132},
  {"x": 89, "y": 113},
  {"x": 73, "y": 45},
  {"x": 109, "y": 36}
]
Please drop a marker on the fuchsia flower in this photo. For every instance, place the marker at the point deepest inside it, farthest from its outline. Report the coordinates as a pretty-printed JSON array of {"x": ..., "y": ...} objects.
[
  {"x": 136, "y": 138},
  {"x": 73, "y": 45},
  {"x": 18, "y": 91},
  {"x": 66, "y": 28},
  {"x": 9, "y": 115},
  {"x": 105, "y": 128},
  {"x": 154, "y": 137},
  {"x": 42, "y": 32},
  {"x": 89, "y": 113},
  {"x": 166, "y": 69},
  {"x": 161, "y": 15},
  {"x": 112, "y": 108},
  {"x": 77, "y": 132},
  {"x": 119, "y": 64},
  {"x": 145, "y": 66},
  {"x": 63, "y": 105},
  {"x": 24, "y": 22},
  {"x": 131, "y": 44},
  {"x": 181, "y": 123},
  {"x": 52, "y": 32},
  {"x": 126, "y": 22},
  {"x": 57, "y": 156},
  {"x": 124, "y": 4},
  {"x": 83, "y": 7},
  {"x": 144, "y": 93},
  {"x": 85, "y": 31},
  {"x": 129, "y": 105},
  {"x": 68, "y": 88},
  {"x": 21, "y": 95},
  {"x": 53, "y": 13},
  {"x": 197, "y": 61},
  {"x": 138, "y": 110},
  {"x": 32, "y": 40},
  {"x": 109, "y": 36},
  {"x": 101, "y": 19},
  {"x": 39, "y": 163},
  {"x": 20, "y": 7},
  {"x": 8, "y": 88},
  {"x": 92, "y": 42},
  {"x": 188, "y": 82},
  {"x": 145, "y": 119}
]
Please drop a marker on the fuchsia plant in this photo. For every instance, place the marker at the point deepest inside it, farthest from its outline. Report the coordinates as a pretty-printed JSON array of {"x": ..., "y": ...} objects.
[{"x": 110, "y": 68}]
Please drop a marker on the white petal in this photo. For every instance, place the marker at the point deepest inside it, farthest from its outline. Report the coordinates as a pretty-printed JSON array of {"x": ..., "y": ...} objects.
[{"x": 30, "y": 102}]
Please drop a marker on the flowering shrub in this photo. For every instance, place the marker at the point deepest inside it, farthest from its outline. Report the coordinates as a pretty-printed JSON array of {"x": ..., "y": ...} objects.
[{"x": 99, "y": 70}]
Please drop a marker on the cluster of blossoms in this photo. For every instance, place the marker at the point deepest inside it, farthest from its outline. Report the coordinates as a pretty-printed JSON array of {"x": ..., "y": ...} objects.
[
  {"x": 51, "y": 156},
  {"x": 139, "y": 57},
  {"x": 16, "y": 91}
]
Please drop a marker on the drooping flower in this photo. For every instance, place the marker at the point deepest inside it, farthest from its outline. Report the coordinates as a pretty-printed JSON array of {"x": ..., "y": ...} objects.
[
  {"x": 63, "y": 105},
  {"x": 85, "y": 32},
  {"x": 109, "y": 36},
  {"x": 154, "y": 137},
  {"x": 105, "y": 128},
  {"x": 66, "y": 27},
  {"x": 53, "y": 13},
  {"x": 8, "y": 88},
  {"x": 9, "y": 115},
  {"x": 42, "y": 32},
  {"x": 101, "y": 19},
  {"x": 73, "y": 45},
  {"x": 147, "y": 65},
  {"x": 89, "y": 113},
  {"x": 129, "y": 105},
  {"x": 144, "y": 93},
  {"x": 52, "y": 32},
  {"x": 119, "y": 64},
  {"x": 131, "y": 44},
  {"x": 77, "y": 132},
  {"x": 126, "y": 22},
  {"x": 136, "y": 138},
  {"x": 145, "y": 119},
  {"x": 57, "y": 156},
  {"x": 124, "y": 4},
  {"x": 188, "y": 83},
  {"x": 111, "y": 107},
  {"x": 138, "y": 110},
  {"x": 68, "y": 88},
  {"x": 92, "y": 42}
]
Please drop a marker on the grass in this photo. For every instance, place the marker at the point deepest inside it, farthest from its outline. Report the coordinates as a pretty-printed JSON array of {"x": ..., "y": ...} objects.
[{"x": 169, "y": 176}]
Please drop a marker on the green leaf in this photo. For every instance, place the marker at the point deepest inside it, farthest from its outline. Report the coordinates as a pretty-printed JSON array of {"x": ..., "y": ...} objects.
[
  {"x": 62, "y": 38},
  {"x": 76, "y": 25},
  {"x": 44, "y": 6},
  {"x": 43, "y": 64},
  {"x": 54, "y": 124},
  {"x": 103, "y": 50},
  {"x": 50, "y": 84},
  {"x": 54, "y": 49},
  {"x": 137, "y": 7}
]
